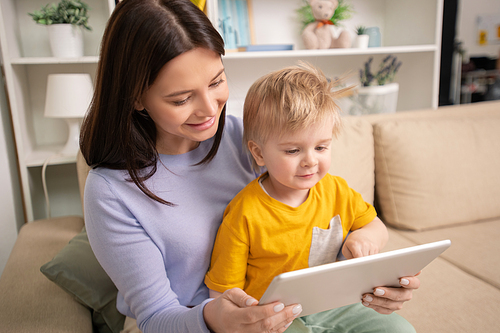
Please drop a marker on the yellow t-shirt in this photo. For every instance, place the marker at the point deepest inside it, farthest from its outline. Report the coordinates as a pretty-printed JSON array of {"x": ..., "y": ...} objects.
[{"x": 261, "y": 237}]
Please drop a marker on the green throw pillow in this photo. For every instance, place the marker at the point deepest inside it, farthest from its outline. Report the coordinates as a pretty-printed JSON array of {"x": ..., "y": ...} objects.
[{"x": 76, "y": 270}]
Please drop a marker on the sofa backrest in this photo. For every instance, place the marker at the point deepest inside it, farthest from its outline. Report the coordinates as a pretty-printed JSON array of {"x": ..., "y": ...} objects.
[
  {"x": 438, "y": 168},
  {"x": 353, "y": 156}
]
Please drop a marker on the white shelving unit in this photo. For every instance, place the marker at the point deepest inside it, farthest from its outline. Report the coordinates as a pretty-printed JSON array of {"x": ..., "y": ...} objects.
[
  {"x": 27, "y": 63},
  {"x": 410, "y": 29}
]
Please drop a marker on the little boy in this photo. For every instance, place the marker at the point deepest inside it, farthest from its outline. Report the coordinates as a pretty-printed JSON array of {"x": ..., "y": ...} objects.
[{"x": 295, "y": 215}]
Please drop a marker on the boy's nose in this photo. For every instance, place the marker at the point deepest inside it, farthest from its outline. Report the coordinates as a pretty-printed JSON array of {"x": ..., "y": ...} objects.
[{"x": 309, "y": 160}]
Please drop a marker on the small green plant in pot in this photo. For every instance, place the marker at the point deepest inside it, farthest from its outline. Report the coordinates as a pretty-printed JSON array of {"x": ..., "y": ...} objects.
[
  {"x": 362, "y": 38},
  {"x": 65, "y": 22},
  {"x": 67, "y": 11},
  {"x": 360, "y": 30}
]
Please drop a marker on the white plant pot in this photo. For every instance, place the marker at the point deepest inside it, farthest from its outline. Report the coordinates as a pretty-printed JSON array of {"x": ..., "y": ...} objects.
[
  {"x": 375, "y": 99},
  {"x": 66, "y": 40},
  {"x": 361, "y": 41}
]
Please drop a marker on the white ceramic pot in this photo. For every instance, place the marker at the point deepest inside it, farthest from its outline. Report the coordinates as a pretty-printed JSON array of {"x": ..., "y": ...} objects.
[
  {"x": 66, "y": 40},
  {"x": 375, "y": 99},
  {"x": 361, "y": 41}
]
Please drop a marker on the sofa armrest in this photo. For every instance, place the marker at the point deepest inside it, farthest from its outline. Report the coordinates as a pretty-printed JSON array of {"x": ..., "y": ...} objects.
[{"x": 29, "y": 302}]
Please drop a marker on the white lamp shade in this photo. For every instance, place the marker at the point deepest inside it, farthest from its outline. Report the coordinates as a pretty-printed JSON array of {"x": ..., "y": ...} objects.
[{"x": 68, "y": 95}]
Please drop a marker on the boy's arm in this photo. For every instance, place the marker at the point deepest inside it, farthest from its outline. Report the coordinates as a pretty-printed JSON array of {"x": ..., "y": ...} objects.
[
  {"x": 367, "y": 240},
  {"x": 213, "y": 293},
  {"x": 229, "y": 261}
]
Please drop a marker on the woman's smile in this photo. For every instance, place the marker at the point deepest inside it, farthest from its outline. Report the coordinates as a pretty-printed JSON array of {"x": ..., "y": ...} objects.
[{"x": 204, "y": 125}]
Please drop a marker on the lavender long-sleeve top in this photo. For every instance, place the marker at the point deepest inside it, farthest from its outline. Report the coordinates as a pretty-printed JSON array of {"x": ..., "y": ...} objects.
[{"x": 157, "y": 255}]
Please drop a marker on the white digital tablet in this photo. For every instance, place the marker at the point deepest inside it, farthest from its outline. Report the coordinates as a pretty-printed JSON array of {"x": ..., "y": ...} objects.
[{"x": 330, "y": 286}]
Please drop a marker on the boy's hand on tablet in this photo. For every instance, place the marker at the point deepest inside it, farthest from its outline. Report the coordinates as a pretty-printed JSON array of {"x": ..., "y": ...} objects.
[{"x": 365, "y": 241}]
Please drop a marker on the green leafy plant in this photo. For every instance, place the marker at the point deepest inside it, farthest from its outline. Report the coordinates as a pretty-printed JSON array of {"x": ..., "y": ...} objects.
[
  {"x": 342, "y": 12},
  {"x": 360, "y": 30},
  {"x": 66, "y": 11},
  {"x": 386, "y": 73}
]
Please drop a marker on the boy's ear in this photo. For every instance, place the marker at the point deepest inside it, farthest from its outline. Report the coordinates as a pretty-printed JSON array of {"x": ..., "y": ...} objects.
[{"x": 256, "y": 152}]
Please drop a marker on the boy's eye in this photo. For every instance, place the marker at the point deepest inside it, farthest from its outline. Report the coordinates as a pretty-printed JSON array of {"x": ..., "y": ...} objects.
[
  {"x": 292, "y": 151},
  {"x": 321, "y": 148}
]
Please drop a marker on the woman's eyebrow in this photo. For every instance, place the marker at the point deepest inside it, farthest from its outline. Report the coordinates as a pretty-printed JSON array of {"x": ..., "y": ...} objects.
[
  {"x": 177, "y": 93},
  {"x": 219, "y": 73}
]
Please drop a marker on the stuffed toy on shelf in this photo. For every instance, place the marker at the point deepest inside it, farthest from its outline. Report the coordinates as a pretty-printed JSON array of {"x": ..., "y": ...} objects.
[{"x": 318, "y": 34}]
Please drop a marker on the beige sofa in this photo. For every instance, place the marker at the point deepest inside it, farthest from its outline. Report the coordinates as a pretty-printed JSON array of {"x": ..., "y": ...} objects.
[{"x": 433, "y": 175}]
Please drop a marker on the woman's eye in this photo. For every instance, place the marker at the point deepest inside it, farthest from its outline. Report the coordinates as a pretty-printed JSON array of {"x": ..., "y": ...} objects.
[
  {"x": 182, "y": 102},
  {"x": 217, "y": 83}
]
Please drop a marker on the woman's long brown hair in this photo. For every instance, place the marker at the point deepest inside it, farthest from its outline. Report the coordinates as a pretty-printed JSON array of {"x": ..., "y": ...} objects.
[{"x": 141, "y": 36}]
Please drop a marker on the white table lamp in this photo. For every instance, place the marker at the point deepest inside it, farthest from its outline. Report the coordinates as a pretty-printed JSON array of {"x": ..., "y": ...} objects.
[{"x": 69, "y": 97}]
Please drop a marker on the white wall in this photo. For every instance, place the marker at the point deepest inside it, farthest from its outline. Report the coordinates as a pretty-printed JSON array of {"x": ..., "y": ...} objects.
[
  {"x": 468, "y": 11},
  {"x": 11, "y": 211}
]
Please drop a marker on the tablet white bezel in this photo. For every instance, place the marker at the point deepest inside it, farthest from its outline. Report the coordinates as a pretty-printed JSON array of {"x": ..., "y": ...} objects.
[{"x": 330, "y": 286}]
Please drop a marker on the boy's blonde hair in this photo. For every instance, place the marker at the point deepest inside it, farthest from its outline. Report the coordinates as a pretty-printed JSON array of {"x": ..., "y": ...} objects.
[{"x": 288, "y": 100}]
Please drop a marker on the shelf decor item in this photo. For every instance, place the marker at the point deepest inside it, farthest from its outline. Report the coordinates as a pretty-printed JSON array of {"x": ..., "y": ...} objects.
[
  {"x": 317, "y": 17},
  {"x": 69, "y": 96},
  {"x": 362, "y": 38},
  {"x": 236, "y": 23},
  {"x": 375, "y": 38},
  {"x": 65, "y": 22},
  {"x": 378, "y": 93}
]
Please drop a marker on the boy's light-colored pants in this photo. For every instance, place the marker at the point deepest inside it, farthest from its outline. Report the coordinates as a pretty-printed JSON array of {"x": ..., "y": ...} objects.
[{"x": 354, "y": 318}]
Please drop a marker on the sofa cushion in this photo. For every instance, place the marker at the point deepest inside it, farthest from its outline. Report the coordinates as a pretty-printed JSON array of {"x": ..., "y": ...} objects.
[
  {"x": 29, "y": 302},
  {"x": 353, "y": 156},
  {"x": 437, "y": 172},
  {"x": 449, "y": 299},
  {"x": 76, "y": 270},
  {"x": 474, "y": 249}
]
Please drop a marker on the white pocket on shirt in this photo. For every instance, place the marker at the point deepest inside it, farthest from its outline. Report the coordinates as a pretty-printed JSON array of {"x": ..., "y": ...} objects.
[{"x": 326, "y": 243}]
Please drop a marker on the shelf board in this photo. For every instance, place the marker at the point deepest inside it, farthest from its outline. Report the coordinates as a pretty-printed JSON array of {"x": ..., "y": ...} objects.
[
  {"x": 54, "y": 61},
  {"x": 248, "y": 55},
  {"x": 39, "y": 157},
  {"x": 332, "y": 52}
]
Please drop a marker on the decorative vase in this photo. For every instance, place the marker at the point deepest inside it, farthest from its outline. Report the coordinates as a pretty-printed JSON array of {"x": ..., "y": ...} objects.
[
  {"x": 375, "y": 99},
  {"x": 361, "y": 41},
  {"x": 375, "y": 38},
  {"x": 66, "y": 40}
]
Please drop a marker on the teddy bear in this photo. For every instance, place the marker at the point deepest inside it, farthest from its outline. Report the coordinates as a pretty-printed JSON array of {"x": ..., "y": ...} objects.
[{"x": 318, "y": 35}]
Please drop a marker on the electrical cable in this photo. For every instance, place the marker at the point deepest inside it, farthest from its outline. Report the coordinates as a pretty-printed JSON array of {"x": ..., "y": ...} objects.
[{"x": 44, "y": 183}]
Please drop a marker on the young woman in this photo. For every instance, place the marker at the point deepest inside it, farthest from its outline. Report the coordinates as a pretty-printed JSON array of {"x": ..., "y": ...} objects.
[{"x": 166, "y": 161}]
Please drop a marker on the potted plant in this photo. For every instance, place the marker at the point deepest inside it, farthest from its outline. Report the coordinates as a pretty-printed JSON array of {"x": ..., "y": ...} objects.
[
  {"x": 378, "y": 93},
  {"x": 65, "y": 22},
  {"x": 362, "y": 38}
]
